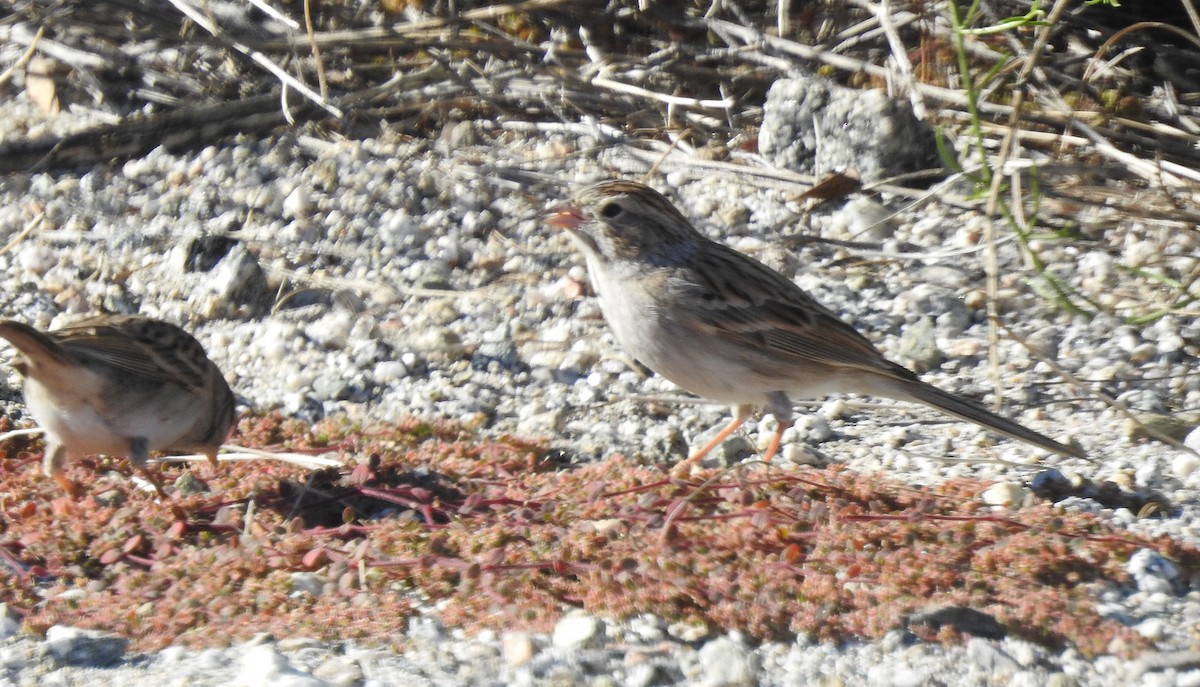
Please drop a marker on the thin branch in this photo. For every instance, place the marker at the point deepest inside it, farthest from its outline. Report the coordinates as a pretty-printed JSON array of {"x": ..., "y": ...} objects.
[
  {"x": 25, "y": 57},
  {"x": 662, "y": 97},
  {"x": 258, "y": 58},
  {"x": 900, "y": 57}
]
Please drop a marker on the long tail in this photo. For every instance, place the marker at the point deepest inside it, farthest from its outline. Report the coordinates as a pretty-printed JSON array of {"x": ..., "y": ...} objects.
[
  {"x": 961, "y": 408},
  {"x": 37, "y": 349}
]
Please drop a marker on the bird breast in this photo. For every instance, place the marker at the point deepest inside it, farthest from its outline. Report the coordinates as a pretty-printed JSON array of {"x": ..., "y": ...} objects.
[{"x": 93, "y": 417}]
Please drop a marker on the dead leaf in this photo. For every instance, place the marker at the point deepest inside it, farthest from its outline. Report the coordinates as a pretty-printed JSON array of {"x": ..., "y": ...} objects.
[{"x": 39, "y": 84}]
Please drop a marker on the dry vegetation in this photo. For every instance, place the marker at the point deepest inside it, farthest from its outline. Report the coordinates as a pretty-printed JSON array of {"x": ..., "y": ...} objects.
[
  {"x": 1084, "y": 125},
  {"x": 431, "y": 513}
]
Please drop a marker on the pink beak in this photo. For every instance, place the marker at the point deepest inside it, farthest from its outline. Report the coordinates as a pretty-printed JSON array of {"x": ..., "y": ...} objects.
[{"x": 565, "y": 217}]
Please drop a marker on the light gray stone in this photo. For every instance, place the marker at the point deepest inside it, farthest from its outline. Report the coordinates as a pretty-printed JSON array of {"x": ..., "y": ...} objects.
[
  {"x": 78, "y": 647},
  {"x": 814, "y": 126},
  {"x": 726, "y": 662},
  {"x": 575, "y": 630}
]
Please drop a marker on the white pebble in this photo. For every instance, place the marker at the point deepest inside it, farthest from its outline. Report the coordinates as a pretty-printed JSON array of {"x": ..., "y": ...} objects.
[
  {"x": 799, "y": 454},
  {"x": 727, "y": 662},
  {"x": 516, "y": 648},
  {"x": 264, "y": 665},
  {"x": 1184, "y": 464},
  {"x": 298, "y": 203},
  {"x": 37, "y": 258},
  {"x": 1151, "y": 628},
  {"x": 1192, "y": 440},
  {"x": 1006, "y": 494},
  {"x": 390, "y": 371},
  {"x": 307, "y": 584},
  {"x": 1152, "y": 572},
  {"x": 575, "y": 630}
]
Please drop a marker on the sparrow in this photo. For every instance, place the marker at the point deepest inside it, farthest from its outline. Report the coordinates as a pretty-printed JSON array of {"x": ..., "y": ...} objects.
[
  {"x": 120, "y": 385},
  {"x": 726, "y": 327}
]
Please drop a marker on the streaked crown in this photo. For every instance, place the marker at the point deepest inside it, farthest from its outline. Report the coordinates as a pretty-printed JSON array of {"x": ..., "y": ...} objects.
[{"x": 628, "y": 220}]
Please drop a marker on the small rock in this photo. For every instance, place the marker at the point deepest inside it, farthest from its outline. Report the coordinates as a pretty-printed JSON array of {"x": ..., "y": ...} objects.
[
  {"x": 517, "y": 648},
  {"x": 1006, "y": 494},
  {"x": 289, "y": 644},
  {"x": 389, "y": 371},
  {"x": 991, "y": 659},
  {"x": 262, "y": 664},
  {"x": 1153, "y": 573},
  {"x": 298, "y": 203},
  {"x": 339, "y": 671},
  {"x": 1061, "y": 680},
  {"x": 802, "y": 455},
  {"x": 187, "y": 483},
  {"x": 1052, "y": 484},
  {"x": 1178, "y": 426},
  {"x": 861, "y": 219},
  {"x": 10, "y": 622},
  {"x": 1183, "y": 465},
  {"x": 575, "y": 630},
  {"x": 76, "y": 647},
  {"x": 918, "y": 345},
  {"x": 734, "y": 447},
  {"x": 543, "y": 423},
  {"x": 728, "y": 663},
  {"x": 850, "y": 130},
  {"x": 1151, "y": 628},
  {"x": 1044, "y": 342},
  {"x": 332, "y": 330},
  {"x": 688, "y": 632},
  {"x": 643, "y": 675},
  {"x": 975, "y": 299},
  {"x": 236, "y": 283},
  {"x": 110, "y": 498},
  {"x": 202, "y": 253},
  {"x": 812, "y": 428},
  {"x": 307, "y": 583},
  {"x": 501, "y": 353}
]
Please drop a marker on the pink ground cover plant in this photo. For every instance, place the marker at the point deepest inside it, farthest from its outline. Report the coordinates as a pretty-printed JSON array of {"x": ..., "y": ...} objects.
[{"x": 505, "y": 537}]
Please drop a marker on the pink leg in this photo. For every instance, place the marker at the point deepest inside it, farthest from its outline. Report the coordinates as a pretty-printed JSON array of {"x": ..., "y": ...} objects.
[
  {"x": 683, "y": 467},
  {"x": 774, "y": 447}
]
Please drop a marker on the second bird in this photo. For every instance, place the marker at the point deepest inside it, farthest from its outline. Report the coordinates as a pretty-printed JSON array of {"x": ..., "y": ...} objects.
[
  {"x": 120, "y": 385},
  {"x": 724, "y": 326}
]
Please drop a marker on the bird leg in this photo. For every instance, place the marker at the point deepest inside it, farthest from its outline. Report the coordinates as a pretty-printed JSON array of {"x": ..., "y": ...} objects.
[
  {"x": 740, "y": 415},
  {"x": 139, "y": 457},
  {"x": 781, "y": 407},
  {"x": 52, "y": 466},
  {"x": 773, "y": 448}
]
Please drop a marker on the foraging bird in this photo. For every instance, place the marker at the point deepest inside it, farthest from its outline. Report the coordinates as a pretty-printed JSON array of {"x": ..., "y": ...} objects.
[
  {"x": 120, "y": 385},
  {"x": 724, "y": 326}
]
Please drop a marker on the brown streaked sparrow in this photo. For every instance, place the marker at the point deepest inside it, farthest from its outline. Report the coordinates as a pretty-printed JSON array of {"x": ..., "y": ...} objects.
[
  {"x": 120, "y": 385},
  {"x": 726, "y": 327}
]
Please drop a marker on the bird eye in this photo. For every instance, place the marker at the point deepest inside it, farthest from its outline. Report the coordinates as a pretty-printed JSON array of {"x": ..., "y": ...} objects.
[{"x": 610, "y": 210}]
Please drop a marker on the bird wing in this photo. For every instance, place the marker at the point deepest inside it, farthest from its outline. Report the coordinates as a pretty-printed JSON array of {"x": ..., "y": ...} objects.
[
  {"x": 148, "y": 348},
  {"x": 761, "y": 309}
]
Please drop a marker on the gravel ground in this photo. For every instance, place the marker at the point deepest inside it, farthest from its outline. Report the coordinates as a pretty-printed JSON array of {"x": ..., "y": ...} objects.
[{"x": 395, "y": 276}]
